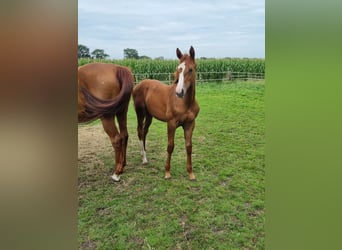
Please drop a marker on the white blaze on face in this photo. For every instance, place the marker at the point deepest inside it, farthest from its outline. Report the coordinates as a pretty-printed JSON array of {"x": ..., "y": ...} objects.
[{"x": 180, "y": 84}]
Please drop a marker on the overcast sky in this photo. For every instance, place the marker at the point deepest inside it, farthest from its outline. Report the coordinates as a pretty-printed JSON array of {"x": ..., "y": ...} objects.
[{"x": 215, "y": 28}]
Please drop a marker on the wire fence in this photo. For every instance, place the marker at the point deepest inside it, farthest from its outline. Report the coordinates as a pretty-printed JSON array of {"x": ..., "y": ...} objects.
[{"x": 203, "y": 76}]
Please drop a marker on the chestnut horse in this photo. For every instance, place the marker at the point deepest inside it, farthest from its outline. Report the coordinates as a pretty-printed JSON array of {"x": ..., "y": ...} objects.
[
  {"x": 104, "y": 91},
  {"x": 175, "y": 104}
]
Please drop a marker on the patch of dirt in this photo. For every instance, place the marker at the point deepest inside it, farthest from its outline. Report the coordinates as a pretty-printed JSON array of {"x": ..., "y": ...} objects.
[
  {"x": 92, "y": 142},
  {"x": 88, "y": 245}
]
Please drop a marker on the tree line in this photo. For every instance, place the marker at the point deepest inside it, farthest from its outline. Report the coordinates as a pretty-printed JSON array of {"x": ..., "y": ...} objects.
[{"x": 84, "y": 52}]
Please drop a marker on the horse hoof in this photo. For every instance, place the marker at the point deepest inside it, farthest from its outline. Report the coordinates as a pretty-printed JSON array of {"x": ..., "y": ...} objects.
[
  {"x": 167, "y": 176},
  {"x": 115, "y": 177},
  {"x": 144, "y": 162},
  {"x": 192, "y": 177}
]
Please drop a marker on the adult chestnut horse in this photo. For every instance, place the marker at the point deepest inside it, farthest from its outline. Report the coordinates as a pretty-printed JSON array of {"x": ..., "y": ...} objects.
[
  {"x": 104, "y": 91},
  {"x": 175, "y": 104}
]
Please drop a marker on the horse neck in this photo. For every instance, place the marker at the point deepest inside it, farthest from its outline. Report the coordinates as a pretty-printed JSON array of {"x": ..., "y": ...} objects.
[{"x": 190, "y": 95}]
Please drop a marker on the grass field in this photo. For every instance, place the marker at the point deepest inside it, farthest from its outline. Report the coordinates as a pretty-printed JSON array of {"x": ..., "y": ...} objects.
[{"x": 222, "y": 209}]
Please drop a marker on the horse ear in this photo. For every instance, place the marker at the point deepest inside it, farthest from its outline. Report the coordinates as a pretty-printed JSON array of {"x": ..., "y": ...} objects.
[
  {"x": 179, "y": 53},
  {"x": 192, "y": 52}
]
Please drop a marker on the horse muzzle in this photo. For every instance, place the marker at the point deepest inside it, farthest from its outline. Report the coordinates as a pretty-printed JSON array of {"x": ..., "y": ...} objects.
[{"x": 181, "y": 94}]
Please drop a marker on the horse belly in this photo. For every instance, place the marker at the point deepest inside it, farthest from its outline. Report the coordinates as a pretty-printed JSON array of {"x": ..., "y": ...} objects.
[{"x": 157, "y": 111}]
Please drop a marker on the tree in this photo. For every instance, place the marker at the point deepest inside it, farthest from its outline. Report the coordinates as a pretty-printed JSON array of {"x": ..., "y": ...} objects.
[
  {"x": 144, "y": 57},
  {"x": 83, "y": 51},
  {"x": 99, "y": 54},
  {"x": 131, "y": 53}
]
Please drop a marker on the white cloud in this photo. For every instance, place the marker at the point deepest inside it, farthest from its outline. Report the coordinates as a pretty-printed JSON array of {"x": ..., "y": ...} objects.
[{"x": 216, "y": 28}]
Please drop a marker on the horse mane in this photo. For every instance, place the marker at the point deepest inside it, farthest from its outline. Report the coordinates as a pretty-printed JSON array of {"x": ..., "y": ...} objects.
[{"x": 97, "y": 108}]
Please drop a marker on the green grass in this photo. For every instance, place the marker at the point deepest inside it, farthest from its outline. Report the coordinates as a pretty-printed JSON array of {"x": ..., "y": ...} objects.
[{"x": 222, "y": 209}]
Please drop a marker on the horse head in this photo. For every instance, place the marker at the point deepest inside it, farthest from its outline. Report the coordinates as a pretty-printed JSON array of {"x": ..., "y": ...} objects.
[{"x": 185, "y": 75}]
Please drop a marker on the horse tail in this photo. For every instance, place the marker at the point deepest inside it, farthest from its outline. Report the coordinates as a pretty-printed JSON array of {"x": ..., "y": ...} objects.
[{"x": 98, "y": 108}]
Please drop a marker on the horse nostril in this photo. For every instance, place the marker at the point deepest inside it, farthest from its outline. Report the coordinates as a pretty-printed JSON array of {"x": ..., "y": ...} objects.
[{"x": 181, "y": 94}]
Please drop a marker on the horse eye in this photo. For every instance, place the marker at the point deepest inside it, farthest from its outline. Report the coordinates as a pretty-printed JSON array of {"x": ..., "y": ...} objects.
[{"x": 190, "y": 70}]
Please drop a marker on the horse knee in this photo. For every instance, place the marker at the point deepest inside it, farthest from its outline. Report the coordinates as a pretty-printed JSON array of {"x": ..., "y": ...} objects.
[
  {"x": 170, "y": 148},
  {"x": 117, "y": 142},
  {"x": 189, "y": 149}
]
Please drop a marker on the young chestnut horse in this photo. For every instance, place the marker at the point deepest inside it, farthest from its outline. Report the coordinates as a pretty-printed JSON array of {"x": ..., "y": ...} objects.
[
  {"x": 175, "y": 104},
  {"x": 104, "y": 91}
]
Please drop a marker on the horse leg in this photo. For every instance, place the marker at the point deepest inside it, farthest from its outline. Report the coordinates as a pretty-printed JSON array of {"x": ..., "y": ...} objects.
[
  {"x": 116, "y": 140},
  {"x": 188, "y": 129},
  {"x": 147, "y": 124},
  {"x": 122, "y": 121},
  {"x": 144, "y": 121},
  {"x": 171, "y": 129}
]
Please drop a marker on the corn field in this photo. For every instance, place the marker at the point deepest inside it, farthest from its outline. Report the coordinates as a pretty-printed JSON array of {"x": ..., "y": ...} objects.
[{"x": 207, "y": 69}]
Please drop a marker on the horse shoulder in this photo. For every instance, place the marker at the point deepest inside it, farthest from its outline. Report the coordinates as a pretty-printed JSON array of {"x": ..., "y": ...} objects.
[
  {"x": 193, "y": 111},
  {"x": 157, "y": 100}
]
